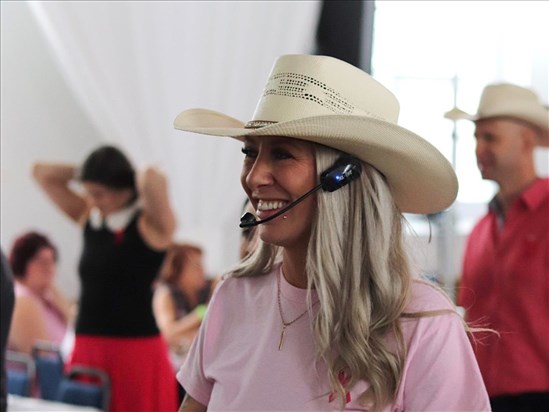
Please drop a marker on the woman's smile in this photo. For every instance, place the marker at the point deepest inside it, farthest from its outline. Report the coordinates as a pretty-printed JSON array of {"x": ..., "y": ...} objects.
[{"x": 276, "y": 171}]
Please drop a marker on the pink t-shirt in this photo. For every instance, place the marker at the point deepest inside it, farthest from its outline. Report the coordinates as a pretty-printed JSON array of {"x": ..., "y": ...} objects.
[{"x": 235, "y": 365}]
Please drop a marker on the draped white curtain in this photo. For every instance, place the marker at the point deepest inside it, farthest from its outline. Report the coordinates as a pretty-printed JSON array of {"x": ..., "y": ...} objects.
[{"x": 133, "y": 66}]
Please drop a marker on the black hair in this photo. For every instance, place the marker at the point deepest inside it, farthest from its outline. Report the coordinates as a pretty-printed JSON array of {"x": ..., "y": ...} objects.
[{"x": 108, "y": 166}]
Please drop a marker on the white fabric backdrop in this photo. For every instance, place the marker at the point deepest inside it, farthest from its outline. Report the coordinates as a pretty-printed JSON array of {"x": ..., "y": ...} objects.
[
  {"x": 79, "y": 74},
  {"x": 133, "y": 66}
]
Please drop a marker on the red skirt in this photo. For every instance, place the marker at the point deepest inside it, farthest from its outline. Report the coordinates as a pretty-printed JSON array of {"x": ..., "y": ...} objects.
[{"x": 142, "y": 379}]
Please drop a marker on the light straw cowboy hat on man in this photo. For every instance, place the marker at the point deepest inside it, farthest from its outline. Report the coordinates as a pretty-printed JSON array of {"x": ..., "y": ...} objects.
[{"x": 511, "y": 102}]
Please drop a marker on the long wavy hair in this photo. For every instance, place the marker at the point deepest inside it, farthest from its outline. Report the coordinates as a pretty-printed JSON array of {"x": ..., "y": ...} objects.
[{"x": 358, "y": 265}]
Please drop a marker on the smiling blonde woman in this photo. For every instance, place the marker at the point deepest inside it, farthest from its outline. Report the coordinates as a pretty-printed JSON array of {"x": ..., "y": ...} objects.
[{"x": 326, "y": 314}]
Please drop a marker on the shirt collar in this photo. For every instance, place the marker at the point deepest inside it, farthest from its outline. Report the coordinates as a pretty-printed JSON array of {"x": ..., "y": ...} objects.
[
  {"x": 113, "y": 221},
  {"x": 535, "y": 194},
  {"x": 531, "y": 198}
]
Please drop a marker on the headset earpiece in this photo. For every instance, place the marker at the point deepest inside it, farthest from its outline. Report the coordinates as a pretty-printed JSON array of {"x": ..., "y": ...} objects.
[{"x": 345, "y": 170}]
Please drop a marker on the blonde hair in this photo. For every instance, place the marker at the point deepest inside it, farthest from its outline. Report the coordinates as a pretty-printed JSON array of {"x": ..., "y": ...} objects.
[{"x": 357, "y": 263}]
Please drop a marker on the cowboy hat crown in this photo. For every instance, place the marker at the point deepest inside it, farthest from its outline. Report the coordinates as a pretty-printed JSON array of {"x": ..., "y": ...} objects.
[{"x": 327, "y": 101}]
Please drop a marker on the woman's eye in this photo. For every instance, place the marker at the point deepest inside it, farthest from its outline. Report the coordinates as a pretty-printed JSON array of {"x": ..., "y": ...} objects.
[
  {"x": 248, "y": 152},
  {"x": 281, "y": 154}
]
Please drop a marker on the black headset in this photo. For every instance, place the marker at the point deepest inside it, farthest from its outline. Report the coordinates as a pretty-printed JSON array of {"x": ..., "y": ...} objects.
[{"x": 341, "y": 173}]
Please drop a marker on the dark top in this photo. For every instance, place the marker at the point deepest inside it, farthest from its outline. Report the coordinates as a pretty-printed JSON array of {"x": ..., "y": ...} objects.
[
  {"x": 116, "y": 272},
  {"x": 8, "y": 300}
]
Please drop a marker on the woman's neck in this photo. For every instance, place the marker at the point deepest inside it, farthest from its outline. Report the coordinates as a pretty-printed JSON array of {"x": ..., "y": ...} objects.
[{"x": 293, "y": 268}]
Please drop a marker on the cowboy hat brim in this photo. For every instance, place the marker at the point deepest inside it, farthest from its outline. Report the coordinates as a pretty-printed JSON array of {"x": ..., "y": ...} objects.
[{"x": 420, "y": 177}]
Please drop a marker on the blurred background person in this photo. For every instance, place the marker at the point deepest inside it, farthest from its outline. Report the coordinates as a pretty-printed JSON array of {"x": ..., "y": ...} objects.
[
  {"x": 127, "y": 226},
  {"x": 505, "y": 281},
  {"x": 7, "y": 303},
  {"x": 180, "y": 298},
  {"x": 41, "y": 312}
]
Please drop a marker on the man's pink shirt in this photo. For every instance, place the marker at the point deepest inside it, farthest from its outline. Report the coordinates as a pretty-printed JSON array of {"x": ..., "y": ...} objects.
[{"x": 505, "y": 286}]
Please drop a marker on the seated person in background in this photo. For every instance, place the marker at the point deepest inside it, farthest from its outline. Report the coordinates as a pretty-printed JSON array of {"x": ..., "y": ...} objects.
[
  {"x": 41, "y": 311},
  {"x": 180, "y": 299},
  {"x": 7, "y": 302}
]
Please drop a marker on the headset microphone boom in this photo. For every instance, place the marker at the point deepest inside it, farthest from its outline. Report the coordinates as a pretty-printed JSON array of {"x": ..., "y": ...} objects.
[{"x": 345, "y": 170}]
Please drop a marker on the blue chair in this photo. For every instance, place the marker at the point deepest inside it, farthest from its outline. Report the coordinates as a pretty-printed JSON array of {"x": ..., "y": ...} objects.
[
  {"x": 20, "y": 372},
  {"x": 49, "y": 368},
  {"x": 96, "y": 392}
]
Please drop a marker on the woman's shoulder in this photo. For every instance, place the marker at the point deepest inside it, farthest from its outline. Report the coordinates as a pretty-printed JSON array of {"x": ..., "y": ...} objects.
[
  {"x": 429, "y": 310},
  {"x": 241, "y": 286},
  {"x": 237, "y": 282},
  {"x": 26, "y": 301},
  {"x": 23, "y": 293},
  {"x": 427, "y": 297},
  {"x": 162, "y": 289}
]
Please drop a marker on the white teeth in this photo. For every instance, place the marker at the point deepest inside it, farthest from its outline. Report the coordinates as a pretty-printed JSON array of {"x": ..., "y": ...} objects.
[{"x": 264, "y": 205}]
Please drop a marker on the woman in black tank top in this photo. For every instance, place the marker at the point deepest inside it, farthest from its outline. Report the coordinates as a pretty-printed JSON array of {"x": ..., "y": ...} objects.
[{"x": 127, "y": 226}]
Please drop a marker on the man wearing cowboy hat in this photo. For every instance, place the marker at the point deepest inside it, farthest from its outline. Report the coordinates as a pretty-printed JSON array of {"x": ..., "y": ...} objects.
[{"x": 505, "y": 280}]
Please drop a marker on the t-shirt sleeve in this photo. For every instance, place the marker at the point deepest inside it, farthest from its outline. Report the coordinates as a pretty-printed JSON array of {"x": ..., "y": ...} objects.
[
  {"x": 441, "y": 372},
  {"x": 192, "y": 375}
]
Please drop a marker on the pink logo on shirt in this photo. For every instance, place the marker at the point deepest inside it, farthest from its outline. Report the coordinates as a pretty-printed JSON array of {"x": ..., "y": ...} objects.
[{"x": 343, "y": 380}]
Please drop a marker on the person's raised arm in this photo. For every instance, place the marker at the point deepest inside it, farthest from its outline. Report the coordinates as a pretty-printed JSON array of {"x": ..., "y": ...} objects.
[
  {"x": 54, "y": 179},
  {"x": 173, "y": 329},
  {"x": 61, "y": 303},
  {"x": 158, "y": 221}
]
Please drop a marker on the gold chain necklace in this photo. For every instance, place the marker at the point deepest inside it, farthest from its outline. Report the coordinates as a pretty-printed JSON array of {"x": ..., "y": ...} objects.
[{"x": 284, "y": 323}]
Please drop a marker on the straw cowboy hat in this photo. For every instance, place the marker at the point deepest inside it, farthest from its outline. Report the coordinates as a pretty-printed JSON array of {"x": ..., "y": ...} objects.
[
  {"x": 330, "y": 102},
  {"x": 512, "y": 102}
]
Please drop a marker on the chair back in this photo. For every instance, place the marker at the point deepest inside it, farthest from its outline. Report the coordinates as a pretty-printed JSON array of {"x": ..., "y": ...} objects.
[
  {"x": 49, "y": 368},
  {"x": 20, "y": 372},
  {"x": 85, "y": 386}
]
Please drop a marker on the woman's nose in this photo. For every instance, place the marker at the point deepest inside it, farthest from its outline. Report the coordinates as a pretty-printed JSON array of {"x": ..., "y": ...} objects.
[
  {"x": 260, "y": 174},
  {"x": 480, "y": 148}
]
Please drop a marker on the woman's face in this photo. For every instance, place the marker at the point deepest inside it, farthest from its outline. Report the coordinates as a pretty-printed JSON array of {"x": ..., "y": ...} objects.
[
  {"x": 192, "y": 275},
  {"x": 106, "y": 199},
  {"x": 501, "y": 149},
  {"x": 41, "y": 269},
  {"x": 277, "y": 171}
]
